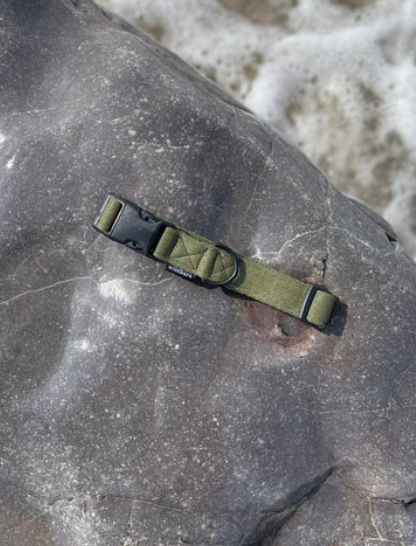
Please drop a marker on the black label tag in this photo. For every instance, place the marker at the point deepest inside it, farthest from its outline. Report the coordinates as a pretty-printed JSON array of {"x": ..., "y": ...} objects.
[{"x": 181, "y": 272}]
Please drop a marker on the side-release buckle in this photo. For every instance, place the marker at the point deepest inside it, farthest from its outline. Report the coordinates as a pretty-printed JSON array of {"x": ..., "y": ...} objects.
[{"x": 129, "y": 224}]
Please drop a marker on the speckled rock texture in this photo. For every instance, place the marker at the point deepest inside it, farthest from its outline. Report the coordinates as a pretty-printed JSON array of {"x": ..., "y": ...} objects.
[{"x": 141, "y": 410}]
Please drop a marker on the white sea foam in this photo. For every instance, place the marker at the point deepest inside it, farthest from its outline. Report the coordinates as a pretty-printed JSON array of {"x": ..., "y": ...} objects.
[{"x": 335, "y": 76}]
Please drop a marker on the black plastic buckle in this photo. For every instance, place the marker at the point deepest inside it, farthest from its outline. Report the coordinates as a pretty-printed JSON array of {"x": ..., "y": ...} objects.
[{"x": 134, "y": 227}]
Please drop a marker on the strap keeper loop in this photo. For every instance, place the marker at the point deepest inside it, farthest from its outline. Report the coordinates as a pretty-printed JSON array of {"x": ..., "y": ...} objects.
[{"x": 307, "y": 303}]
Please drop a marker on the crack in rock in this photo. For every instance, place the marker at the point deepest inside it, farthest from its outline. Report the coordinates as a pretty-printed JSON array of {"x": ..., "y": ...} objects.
[{"x": 75, "y": 279}]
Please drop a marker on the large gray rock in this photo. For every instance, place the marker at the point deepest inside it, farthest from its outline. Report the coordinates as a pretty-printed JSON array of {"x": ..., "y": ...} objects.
[{"x": 138, "y": 409}]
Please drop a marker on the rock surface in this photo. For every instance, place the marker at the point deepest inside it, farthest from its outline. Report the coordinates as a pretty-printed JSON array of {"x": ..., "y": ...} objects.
[
  {"x": 334, "y": 76},
  {"x": 138, "y": 409}
]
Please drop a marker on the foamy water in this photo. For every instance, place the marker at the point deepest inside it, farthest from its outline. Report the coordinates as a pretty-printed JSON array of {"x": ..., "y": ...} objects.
[{"x": 337, "y": 77}]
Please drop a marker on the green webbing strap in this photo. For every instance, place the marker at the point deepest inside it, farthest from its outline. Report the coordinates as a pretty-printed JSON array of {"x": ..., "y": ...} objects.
[
  {"x": 201, "y": 260},
  {"x": 199, "y": 256},
  {"x": 194, "y": 255}
]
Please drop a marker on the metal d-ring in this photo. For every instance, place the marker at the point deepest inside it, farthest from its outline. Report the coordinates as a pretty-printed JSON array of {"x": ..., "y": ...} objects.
[{"x": 213, "y": 284}]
